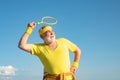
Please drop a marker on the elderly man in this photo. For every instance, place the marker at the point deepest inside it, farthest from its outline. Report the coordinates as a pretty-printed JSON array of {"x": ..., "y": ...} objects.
[{"x": 53, "y": 53}]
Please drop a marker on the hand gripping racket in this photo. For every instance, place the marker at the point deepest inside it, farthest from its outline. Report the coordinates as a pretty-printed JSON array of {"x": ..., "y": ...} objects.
[{"x": 47, "y": 20}]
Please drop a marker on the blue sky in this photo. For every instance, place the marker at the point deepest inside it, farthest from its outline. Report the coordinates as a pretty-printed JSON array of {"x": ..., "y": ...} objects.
[{"x": 93, "y": 25}]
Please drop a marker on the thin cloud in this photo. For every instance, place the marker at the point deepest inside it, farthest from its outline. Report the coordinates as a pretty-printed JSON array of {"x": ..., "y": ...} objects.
[
  {"x": 6, "y": 78},
  {"x": 7, "y": 70}
]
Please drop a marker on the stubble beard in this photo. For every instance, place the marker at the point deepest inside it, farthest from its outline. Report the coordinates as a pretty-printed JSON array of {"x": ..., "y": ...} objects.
[{"x": 49, "y": 39}]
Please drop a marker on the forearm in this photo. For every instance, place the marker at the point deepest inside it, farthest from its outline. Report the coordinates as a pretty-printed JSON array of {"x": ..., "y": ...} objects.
[
  {"x": 23, "y": 43},
  {"x": 77, "y": 55},
  {"x": 75, "y": 65},
  {"x": 23, "y": 40}
]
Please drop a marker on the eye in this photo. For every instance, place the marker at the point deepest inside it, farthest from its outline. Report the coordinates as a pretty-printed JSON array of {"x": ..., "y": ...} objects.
[{"x": 51, "y": 33}]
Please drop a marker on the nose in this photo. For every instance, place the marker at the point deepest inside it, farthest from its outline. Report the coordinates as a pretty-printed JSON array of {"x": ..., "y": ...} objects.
[{"x": 48, "y": 33}]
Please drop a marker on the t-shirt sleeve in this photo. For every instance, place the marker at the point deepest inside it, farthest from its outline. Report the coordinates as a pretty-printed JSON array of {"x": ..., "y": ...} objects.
[
  {"x": 71, "y": 46},
  {"x": 35, "y": 49}
]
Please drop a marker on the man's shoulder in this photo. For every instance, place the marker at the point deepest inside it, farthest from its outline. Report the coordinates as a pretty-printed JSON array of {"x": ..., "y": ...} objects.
[
  {"x": 38, "y": 44},
  {"x": 61, "y": 39}
]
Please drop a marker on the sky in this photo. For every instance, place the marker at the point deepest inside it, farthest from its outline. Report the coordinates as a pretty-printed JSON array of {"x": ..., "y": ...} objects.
[{"x": 93, "y": 25}]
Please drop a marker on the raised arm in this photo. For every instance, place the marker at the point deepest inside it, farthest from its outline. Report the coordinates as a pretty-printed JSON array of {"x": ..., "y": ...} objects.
[{"x": 23, "y": 41}]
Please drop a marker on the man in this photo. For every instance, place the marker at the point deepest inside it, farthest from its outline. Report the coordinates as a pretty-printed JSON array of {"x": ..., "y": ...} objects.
[{"x": 53, "y": 53}]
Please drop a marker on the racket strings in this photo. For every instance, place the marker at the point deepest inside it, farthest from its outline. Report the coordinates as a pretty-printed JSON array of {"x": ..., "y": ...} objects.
[{"x": 48, "y": 20}]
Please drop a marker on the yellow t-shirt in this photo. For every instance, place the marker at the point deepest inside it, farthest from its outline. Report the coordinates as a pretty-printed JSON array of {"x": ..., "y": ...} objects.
[{"x": 55, "y": 61}]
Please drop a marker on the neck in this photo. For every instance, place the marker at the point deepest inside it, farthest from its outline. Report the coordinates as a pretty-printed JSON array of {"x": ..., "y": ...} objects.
[{"x": 52, "y": 45}]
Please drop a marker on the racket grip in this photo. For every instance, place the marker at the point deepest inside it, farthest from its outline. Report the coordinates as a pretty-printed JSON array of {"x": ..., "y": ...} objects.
[{"x": 39, "y": 23}]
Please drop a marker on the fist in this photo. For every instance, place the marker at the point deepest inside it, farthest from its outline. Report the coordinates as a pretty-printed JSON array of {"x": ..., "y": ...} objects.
[
  {"x": 73, "y": 69},
  {"x": 32, "y": 25}
]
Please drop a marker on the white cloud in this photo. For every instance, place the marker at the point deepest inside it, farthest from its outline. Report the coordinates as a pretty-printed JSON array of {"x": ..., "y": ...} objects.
[
  {"x": 7, "y": 70},
  {"x": 5, "y": 78}
]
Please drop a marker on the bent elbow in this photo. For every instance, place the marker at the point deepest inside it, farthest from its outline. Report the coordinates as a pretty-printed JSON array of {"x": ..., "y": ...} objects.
[
  {"x": 20, "y": 46},
  {"x": 78, "y": 51}
]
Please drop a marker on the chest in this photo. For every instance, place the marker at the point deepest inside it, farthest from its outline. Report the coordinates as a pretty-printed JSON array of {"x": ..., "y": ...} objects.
[{"x": 60, "y": 51}]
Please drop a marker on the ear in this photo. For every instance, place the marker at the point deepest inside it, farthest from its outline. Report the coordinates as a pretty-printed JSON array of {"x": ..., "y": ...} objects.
[{"x": 41, "y": 36}]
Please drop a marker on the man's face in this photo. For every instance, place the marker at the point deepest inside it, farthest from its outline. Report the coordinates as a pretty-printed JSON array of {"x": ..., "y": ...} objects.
[{"x": 48, "y": 36}]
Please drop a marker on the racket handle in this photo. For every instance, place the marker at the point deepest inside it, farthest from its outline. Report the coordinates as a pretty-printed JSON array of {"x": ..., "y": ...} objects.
[
  {"x": 36, "y": 23},
  {"x": 39, "y": 23}
]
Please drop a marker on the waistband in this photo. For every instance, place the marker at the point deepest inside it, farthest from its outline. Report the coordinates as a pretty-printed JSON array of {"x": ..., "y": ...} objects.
[{"x": 58, "y": 76}]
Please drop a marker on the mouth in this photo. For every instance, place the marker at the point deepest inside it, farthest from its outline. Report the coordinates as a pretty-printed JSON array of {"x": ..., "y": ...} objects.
[{"x": 52, "y": 36}]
